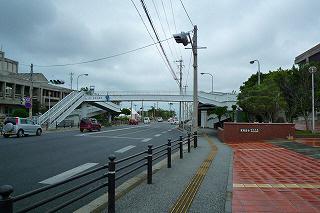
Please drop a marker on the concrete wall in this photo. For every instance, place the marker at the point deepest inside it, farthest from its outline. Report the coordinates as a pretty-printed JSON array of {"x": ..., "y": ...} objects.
[{"x": 246, "y": 132}]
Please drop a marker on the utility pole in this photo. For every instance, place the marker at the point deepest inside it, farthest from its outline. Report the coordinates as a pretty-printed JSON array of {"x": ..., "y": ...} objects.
[
  {"x": 31, "y": 90},
  {"x": 180, "y": 87},
  {"x": 195, "y": 78},
  {"x": 71, "y": 79}
]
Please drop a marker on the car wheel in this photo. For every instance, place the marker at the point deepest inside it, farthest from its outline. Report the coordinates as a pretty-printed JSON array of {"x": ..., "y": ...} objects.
[
  {"x": 81, "y": 130},
  {"x": 39, "y": 132},
  {"x": 99, "y": 129},
  {"x": 90, "y": 130},
  {"x": 6, "y": 136},
  {"x": 20, "y": 133}
]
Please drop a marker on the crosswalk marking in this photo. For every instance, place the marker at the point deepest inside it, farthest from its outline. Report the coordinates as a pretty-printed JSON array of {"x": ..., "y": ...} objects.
[
  {"x": 67, "y": 174},
  {"x": 124, "y": 149}
]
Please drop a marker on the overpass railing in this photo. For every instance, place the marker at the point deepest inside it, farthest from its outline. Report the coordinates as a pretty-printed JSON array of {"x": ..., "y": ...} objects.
[{"x": 102, "y": 177}]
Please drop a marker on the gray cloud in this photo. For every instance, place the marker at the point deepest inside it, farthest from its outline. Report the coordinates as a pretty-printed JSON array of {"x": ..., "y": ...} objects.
[{"x": 234, "y": 32}]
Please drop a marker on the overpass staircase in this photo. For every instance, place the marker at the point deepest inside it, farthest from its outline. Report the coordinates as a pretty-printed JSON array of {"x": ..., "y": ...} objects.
[{"x": 62, "y": 109}]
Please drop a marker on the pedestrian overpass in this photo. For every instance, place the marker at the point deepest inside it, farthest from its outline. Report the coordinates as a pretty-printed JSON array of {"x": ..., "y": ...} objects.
[{"x": 86, "y": 103}]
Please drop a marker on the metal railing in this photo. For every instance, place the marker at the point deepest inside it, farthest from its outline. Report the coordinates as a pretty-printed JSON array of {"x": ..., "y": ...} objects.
[{"x": 114, "y": 171}]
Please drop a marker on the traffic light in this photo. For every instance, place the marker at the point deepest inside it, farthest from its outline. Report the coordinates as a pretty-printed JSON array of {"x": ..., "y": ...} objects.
[
  {"x": 57, "y": 81},
  {"x": 182, "y": 38}
]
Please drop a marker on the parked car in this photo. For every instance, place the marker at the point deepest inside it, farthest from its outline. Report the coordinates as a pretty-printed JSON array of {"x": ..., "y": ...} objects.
[
  {"x": 174, "y": 122},
  {"x": 160, "y": 119},
  {"x": 146, "y": 120},
  {"x": 133, "y": 121},
  {"x": 20, "y": 127},
  {"x": 89, "y": 124}
]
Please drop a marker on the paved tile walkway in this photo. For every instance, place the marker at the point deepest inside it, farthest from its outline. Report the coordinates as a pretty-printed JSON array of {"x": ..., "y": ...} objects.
[{"x": 269, "y": 178}]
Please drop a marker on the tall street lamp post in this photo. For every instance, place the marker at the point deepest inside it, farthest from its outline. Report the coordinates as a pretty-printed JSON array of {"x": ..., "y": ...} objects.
[
  {"x": 312, "y": 70},
  {"x": 206, "y": 73},
  {"x": 252, "y": 62},
  {"x": 78, "y": 80}
]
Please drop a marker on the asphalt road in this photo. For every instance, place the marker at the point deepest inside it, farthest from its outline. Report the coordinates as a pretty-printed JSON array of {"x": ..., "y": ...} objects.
[{"x": 27, "y": 161}]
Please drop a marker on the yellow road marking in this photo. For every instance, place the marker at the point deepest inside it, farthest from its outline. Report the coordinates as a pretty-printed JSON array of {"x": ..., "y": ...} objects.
[
  {"x": 284, "y": 185},
  {"x": 184, "y": 201}
]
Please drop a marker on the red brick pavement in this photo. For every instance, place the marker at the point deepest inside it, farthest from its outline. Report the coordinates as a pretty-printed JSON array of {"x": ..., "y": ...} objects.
[{"x": 268, "y": 178}]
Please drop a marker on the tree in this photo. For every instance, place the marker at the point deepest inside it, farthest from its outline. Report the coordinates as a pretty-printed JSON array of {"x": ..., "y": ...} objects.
[
  {"x": 219, "y": 111},
  {"x": 20, "y": 113},
  {"x": 125, "y": 111}
]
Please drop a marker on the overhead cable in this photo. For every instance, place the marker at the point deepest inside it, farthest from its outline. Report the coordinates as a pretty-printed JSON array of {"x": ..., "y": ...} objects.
[
  {"x": 103, "y": 58},
  {"x": 186, "y": 13},
  {"x": 160, "y": 44}
]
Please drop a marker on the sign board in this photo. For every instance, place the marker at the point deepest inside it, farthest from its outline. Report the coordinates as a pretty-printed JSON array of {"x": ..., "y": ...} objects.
[
  {"x": 27, "y": 99},
  {"x": 98, "y": 98},
  {"x": 27, "y": 105},
  {"x": 250, "y": 130}
]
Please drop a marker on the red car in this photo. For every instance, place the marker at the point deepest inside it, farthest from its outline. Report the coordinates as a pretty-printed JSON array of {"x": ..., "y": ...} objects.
[
  {"x": 133, "y": 122},
  {"x": 89, "y": 124}
]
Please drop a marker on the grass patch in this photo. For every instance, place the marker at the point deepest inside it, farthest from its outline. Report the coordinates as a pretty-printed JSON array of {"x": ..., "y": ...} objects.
[{"x": 307, "y": 133}]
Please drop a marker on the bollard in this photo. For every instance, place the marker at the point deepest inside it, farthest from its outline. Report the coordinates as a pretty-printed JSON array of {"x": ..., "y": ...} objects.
[
  {"x": 56, "y": 124},
  {"x": 111, "y": 184},
  {"x": 181, "y": 147},
  {"x": 149, "y": 164},
  {"x": 188, "y": 142},
  {"x": 169, "y": 154},
  {"x": 6, "y": 202},
  {"x": 195, "y": 139}
]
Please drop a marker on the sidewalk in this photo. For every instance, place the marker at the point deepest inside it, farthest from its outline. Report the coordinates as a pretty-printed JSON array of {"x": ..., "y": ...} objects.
[{"x": 169, "y": 184}]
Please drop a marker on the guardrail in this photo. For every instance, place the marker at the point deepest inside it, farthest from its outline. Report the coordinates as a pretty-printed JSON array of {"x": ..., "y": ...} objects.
[{"x": 115, "y": 170}]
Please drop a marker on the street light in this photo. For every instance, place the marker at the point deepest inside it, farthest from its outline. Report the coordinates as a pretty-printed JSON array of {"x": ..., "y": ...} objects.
[
  {"x": 252, "y": 62},
  {"x": 78, "y": 79},
  {"x": 312, "y": 70},
  {"x": 206, "y": 73}
]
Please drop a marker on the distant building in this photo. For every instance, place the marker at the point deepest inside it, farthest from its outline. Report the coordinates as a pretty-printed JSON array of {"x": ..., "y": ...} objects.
[
  {"x": 15, "y": 86},
  {"x": 312, "y": 54}
]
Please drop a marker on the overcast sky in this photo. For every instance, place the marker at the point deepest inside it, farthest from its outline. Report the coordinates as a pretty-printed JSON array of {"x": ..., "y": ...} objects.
[{"x": 234, "y": 32}]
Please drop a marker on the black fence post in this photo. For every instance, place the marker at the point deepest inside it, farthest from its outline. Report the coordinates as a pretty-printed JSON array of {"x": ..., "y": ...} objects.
[
  {"x": 195, "y": 139},
  {"x": 181, "y": 147},
  {"x": 149, "y": 158},
  {"x": 56, "y": 124},
  {"x": 6, "y": 202},
  {"x": 188, "y": 142},
  {"x": 169, "y": 153},
  {"x": 111, "y": 184}
]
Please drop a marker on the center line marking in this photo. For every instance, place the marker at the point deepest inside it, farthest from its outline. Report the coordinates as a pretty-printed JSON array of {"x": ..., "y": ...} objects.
[
  {"x": 124, "y": 149},
  {"x": 163, "y": 132},
  {"x": 146, "y": 140},
  {"x": 157, "y": 135},
  {"x": 67, "y": 174}
]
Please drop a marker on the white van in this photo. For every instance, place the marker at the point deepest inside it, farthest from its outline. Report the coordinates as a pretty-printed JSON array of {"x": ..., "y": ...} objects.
[{"x": 146, "y": 120}]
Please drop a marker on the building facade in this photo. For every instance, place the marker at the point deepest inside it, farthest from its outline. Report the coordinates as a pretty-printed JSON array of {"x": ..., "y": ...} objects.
[
  {"x": 310, "y": 55},
  {"x": 16, "y": 87}
]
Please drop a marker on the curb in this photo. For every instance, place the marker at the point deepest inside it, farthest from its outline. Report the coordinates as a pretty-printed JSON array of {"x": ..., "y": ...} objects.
[{"x": 100, "y": 204}]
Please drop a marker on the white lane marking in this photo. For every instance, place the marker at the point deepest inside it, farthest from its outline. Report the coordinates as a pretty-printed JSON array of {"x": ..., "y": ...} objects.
[
  {"x": 163, "y": 132},
  {"x": 157, "y": 135},
  {"x": 124, "y": 149},
  {"x": 111, "y": 130},
  {"x": 67, "y": 174},
  {"x": 146, "y": 140},
  {"x": 115, "y": 137},
  {"x": 169, "y": 130}
]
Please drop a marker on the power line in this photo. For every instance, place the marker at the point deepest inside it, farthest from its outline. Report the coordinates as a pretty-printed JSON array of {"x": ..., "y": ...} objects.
[
  {"x": 156, "y": 34},
  {"x": 161, "y": 56},
  {"x": 188, "y": 69},
  {"x": 186, "y": 13},
  {"x": 164, "y": 33},
  {"x": 174, "y": 22},
  {"x": 165, "y": 13},
  {"x": 103, "y": 58}
]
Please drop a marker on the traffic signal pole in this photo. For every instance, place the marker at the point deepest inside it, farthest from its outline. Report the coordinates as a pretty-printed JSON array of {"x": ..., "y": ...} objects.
[
  {"x": 31, "y": 90},
  {"x": 195, "y": 79}
]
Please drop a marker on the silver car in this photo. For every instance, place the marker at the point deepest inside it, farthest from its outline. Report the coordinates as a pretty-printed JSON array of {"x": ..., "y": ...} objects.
[{"x": 20, "y": 127}]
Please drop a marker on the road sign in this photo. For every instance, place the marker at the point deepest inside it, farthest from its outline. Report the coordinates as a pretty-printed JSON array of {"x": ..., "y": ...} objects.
[
  {"x": 27, "y": 99},
  {"x": 27, "y": 105}
]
